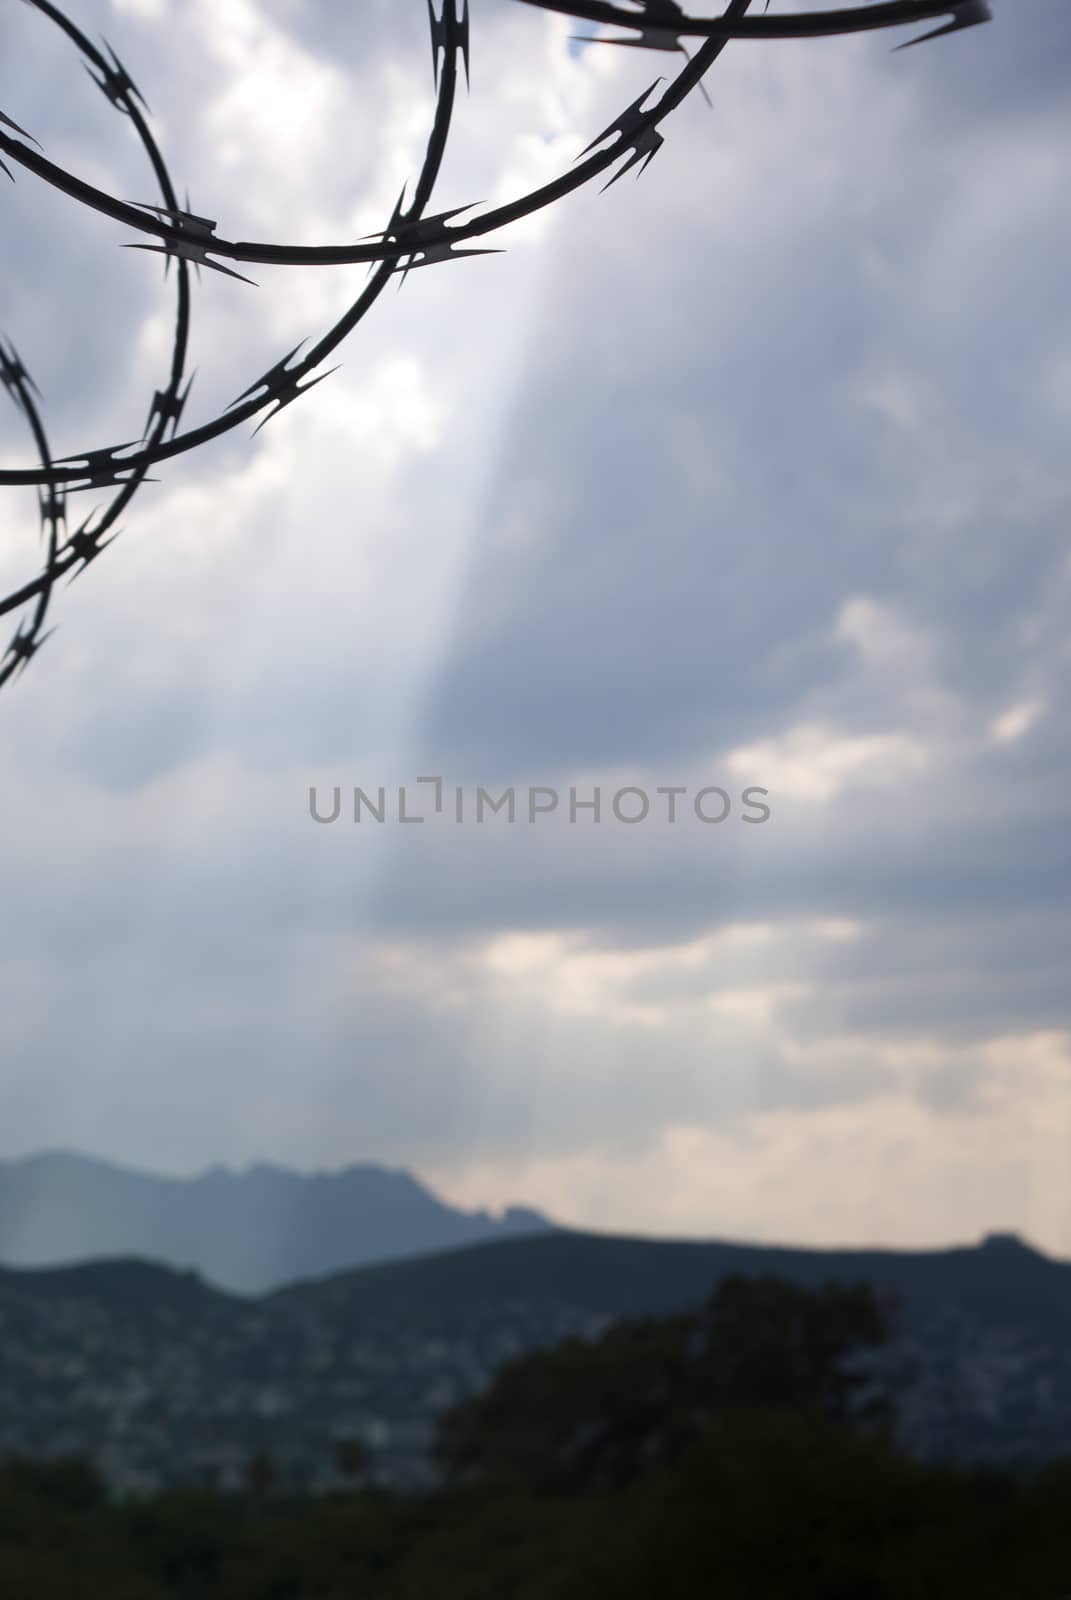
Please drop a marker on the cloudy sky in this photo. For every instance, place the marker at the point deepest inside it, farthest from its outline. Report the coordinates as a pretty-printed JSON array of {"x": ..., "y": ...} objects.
[{"x": 750, "y": 473}]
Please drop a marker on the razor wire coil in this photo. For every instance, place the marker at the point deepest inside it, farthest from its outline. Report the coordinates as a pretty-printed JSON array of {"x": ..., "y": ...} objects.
[{"x": 410, "y": 239}]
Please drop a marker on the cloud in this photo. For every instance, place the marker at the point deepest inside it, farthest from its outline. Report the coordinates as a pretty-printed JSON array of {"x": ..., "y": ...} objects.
[{"x": 750, "y": 472}]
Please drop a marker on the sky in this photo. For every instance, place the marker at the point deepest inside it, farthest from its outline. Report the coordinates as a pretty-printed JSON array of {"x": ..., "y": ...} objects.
[{"x": 751, "y": 473}]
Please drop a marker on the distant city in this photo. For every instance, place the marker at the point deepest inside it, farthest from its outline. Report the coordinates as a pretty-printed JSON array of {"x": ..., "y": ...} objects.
[{"x": 161, "y": 1378}]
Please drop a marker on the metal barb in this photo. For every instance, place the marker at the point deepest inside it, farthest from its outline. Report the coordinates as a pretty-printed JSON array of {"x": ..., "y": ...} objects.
[{"x": 115, "y": 81}]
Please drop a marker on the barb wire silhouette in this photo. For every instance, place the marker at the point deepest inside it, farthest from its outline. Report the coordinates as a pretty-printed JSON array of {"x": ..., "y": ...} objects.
[
  {"x": 410, "y": 239},
  {"x": 73, "y": 552}
]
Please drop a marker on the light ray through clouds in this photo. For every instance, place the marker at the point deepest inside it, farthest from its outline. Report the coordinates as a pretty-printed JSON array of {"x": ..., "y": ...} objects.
[{"x": 753, "y": 469}]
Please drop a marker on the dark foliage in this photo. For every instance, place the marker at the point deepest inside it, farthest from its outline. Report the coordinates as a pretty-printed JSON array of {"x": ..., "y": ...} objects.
[{"x": 596, "y": 1416}]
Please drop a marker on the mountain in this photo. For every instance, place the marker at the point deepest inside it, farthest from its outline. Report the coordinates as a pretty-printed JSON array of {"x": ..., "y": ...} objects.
[
  {"x": 1000, "y": 1282},
  {"x": 247, "y": 1232}
]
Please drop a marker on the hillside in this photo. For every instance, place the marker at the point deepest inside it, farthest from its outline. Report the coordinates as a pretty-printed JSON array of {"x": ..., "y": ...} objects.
[
  {"x": 1002, "y": 1281},
  {"x": 157, "y": 1376}
]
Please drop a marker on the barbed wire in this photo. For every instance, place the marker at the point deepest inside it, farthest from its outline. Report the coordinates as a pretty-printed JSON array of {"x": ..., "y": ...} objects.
[
  {"x": 410, "y": 239},
  {"x": 165, "y": 409}
]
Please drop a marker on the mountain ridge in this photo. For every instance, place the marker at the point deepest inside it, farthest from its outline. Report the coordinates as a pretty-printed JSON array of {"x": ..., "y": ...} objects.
[
  {"x": 245, "y": 1231},
  {"x": 998, "y": 1280},
  {"x": 622, "y": 1276}
]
